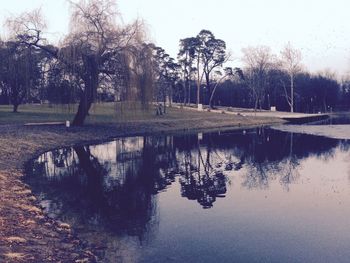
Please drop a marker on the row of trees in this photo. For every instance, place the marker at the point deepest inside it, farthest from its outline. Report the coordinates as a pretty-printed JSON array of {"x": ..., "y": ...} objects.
[
  {"x": 101, "y": 58},
  {"x": 265, "y": 79}
]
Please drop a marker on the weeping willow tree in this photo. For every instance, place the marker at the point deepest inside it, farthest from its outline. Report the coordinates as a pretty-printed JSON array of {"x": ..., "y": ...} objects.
[
  {"x": 97, "y": 47},
  {"x": 20, "y": 72},
  {"x": 142, "y": 75}
]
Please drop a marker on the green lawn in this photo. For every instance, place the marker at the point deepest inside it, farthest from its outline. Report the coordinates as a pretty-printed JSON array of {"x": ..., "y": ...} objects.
[
  {"x": 109, "y": 113},
  {"x": 99, "y": 113}
]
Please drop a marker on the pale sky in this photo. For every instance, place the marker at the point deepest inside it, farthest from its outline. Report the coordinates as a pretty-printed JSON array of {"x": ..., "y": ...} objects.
[{"x": 320, "y": 29}]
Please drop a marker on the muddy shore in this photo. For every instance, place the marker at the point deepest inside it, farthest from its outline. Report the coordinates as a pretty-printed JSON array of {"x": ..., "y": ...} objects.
[{"x": 26, "y": 234}]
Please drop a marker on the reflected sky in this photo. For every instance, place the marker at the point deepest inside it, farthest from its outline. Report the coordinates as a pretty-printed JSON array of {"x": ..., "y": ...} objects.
[{"x": 255, "y": 196}]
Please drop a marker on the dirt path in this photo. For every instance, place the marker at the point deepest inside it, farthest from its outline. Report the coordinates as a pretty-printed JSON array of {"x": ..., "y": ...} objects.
[{"x": 26, "y": 234}]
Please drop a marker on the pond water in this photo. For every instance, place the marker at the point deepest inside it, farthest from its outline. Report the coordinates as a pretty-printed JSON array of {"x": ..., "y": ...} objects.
[{"x": 259, "y": 195}]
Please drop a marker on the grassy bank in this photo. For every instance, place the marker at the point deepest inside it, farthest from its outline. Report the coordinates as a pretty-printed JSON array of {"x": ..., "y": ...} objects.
[
  {"x": 26, "y": 234},
  {"x": 99, "y": 113}
]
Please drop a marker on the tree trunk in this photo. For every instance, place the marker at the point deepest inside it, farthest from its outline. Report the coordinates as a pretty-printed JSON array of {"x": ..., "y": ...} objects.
[
  {"x": 291, "y": 93},
  {"x": 171, "y": 96},
  {"x": 93, "y": 170},
  {"x": 198, "y": 92},
  {"x": 15, "y": 108},
  {"x": 83, "y": 109},
  {"x": 184, "y": 101},
  {"x": 186, "y": 98},
  {"x": 164, "y": 102},
  {"x": 213, "y": 92},
  {"x": 256, "y": 104},
  {"x": 207, "y": 80},
  {"x": 189, "y": 92},
  {"x": 198, "y": 81},
  {"x": 90, "y": 89},
  {"x": 211, "y": 104}
]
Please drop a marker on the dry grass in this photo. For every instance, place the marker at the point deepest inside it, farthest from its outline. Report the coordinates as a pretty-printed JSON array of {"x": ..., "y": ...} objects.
[
  {"x": 84, "y": 260},
  {"x": 29, "y": 222},
  {"x": 15, "y": 240},
  {"x": 14, "y": 256},
  {"x": 24, "y": 192},
  {"x": 64, "y": 226},
  {"x": 29, "y": 208}
]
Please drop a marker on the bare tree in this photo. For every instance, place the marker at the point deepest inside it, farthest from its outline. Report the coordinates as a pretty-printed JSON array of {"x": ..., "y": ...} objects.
[
  {"x": 290, "y": 62},
  {"x": 258, "y": 61},
  {"x": 20, "y": 72},
  {"x": 227, "y": 74},
  {"x": 95, "y": 46},
  {"x": 143, "y": 74}
]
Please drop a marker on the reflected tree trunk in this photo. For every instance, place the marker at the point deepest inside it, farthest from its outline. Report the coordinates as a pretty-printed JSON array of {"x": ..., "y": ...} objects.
[{"x": 92, "y": 168}]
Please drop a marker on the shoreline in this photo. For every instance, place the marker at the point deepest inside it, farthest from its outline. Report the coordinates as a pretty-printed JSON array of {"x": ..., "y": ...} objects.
[{"x": 26, "y": 234}]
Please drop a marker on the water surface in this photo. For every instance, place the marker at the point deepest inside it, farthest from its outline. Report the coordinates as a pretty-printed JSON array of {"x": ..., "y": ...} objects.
[{"x": 260, "y": 195}]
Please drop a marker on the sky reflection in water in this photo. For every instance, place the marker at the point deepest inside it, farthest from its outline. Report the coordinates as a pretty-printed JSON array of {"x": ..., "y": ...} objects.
[{"x": 260, "y": 196}]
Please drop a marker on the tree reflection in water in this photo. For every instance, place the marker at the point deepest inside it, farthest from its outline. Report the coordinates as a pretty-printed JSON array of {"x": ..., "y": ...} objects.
[{"x": 115, "y": 185}]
